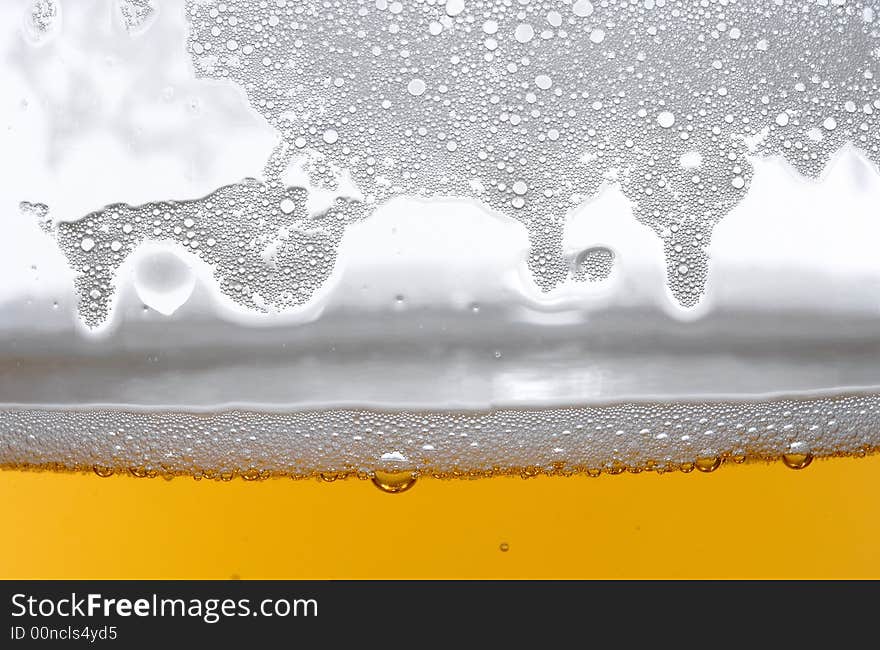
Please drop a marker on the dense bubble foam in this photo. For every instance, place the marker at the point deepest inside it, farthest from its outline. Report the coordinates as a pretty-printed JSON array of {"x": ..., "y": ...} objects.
[
  {"x": 332, "y": 442},
  {"x": 41, "y": 21},
  {"x": 594, "y": 264},
  {"x": 264, "y": 247},
  {"x": 531, "y": 108},
  {"x": 137, "y": 15},
  {"x": 295, "y": 237},
  {"x": 558, "y": 99}
]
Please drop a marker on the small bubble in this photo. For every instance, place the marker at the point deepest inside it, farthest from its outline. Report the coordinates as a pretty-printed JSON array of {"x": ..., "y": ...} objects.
[
  {"x": 797, "y": 461},
  {"x": 708, "y": 464},
  {"x": 454, "y": 7},
  {"x": 665, "y": 119},
  {"x": 691, "y": 160},
  {"x": 416, "y": 87},
  {"x": 393, "y": 482},
  {"x": 102, "y": 471},
  {"x": 582, "y": 8},
  {"x": 163, "y": 280},
  {"x": 524, "y": 33}
]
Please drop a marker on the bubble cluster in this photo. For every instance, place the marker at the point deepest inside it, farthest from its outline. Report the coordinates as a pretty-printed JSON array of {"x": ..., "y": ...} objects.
[
  {"x": 594, "y": 264},
  {"x": 529, "y": 107},
  {"x": 42, "y": 20},
  {"x": 401, "y": 445},
  {"x": 267, "y": 253},
  {"x": 39, "y": 212},
  {"x": 137, "y": 15}
]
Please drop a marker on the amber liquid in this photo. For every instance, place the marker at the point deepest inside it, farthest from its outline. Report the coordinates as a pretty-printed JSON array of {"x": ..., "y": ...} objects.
[{"x": 750, "y": 520}]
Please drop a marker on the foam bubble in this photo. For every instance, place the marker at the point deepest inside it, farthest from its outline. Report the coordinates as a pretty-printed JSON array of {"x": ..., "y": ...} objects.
[{"x": 162, "y": 279}]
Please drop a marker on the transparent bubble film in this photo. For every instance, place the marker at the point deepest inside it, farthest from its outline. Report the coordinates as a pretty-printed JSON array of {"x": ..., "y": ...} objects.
[{"x": 460, "y": 236}]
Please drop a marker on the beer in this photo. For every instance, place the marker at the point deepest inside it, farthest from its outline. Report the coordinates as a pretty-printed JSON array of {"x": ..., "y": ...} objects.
[{"x": 403, "y": 241}]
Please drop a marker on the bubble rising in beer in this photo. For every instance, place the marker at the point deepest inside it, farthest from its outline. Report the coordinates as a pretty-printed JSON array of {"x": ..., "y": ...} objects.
[{"x": 394, "y": 482}]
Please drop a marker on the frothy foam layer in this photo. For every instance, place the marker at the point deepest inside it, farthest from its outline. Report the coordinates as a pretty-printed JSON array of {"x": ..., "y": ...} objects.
[
  {"x": 415, "y": 322},
  {"x": 609, "y": 439},
  {"x": 633, "y": 283}
]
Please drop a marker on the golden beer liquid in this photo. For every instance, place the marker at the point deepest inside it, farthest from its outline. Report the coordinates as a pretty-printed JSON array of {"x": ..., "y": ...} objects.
[{"x": 749, "y": 520}]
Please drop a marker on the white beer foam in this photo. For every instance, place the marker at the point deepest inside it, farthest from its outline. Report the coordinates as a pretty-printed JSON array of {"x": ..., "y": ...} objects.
[
  {"x": 430, "y": 343},
  {"x": 431, "y": 313}
]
